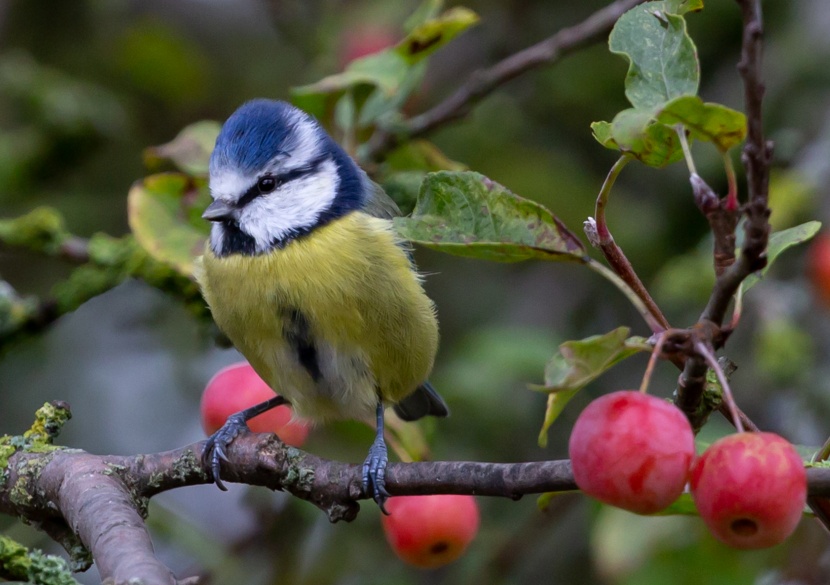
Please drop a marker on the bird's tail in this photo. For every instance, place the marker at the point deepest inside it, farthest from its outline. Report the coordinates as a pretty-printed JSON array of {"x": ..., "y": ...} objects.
[{"x": 424, "y": 401}]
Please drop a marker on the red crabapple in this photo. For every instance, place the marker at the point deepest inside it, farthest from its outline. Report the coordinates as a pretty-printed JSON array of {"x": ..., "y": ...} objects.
[
  {"x": 632, "y": 450},
  {"x": 237, "y": 387},
  {"x": 750, "y": 489},
  {"x": 430, "y": 531},
  {"x": 818, "y": 266}
]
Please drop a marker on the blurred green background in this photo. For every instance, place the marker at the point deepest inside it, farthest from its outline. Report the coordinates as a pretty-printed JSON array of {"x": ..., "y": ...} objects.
[{"x": 86, "y": 85}]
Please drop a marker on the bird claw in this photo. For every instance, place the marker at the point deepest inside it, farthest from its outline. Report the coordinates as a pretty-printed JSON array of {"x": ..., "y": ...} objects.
[
  {"x": 374, "y": 473},
  {"x": 217, "y": 444}
]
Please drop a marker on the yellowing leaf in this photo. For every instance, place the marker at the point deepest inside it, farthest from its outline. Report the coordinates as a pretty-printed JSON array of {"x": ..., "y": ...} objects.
[
  {"x": 433, "y": 34},
  {"x": 580, "y": 362},
  {"x": 189, "y": 150},
  {"x": 714, "y": 123},
  {"x": 164, "y": 213}
]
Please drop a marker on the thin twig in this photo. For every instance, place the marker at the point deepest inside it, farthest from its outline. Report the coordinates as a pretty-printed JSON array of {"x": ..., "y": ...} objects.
[{"x": 613, "y": 254}]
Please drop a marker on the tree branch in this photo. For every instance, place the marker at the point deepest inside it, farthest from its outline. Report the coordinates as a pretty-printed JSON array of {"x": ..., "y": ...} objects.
[
  {"x": 104, "y": 498},
  {"x": 756, "y": 159},
  {"x": 484, "y": 81}
]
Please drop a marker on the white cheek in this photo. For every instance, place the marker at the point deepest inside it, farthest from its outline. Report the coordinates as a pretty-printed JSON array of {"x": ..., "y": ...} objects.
[{"x": 295, "y": 206}]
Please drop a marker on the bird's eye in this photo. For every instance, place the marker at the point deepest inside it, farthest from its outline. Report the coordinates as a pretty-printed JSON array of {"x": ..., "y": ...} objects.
[{"x": 267, "y": 184}]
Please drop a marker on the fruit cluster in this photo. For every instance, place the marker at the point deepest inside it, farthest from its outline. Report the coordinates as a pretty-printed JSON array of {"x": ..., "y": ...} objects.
[
  {"x": 424, "y": 531},
  {"x": 637, "y": 452}
]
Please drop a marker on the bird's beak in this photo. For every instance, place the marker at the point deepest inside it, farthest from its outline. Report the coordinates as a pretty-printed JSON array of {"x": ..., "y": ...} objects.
[{"x": 219, "y": 211}]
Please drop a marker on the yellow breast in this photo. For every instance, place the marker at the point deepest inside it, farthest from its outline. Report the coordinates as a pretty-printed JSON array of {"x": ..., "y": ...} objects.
[{"x": 372, "y": 326}]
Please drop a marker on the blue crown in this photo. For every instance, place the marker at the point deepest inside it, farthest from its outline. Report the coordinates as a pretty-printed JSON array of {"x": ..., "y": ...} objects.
[{"x": 255, "y": 133}]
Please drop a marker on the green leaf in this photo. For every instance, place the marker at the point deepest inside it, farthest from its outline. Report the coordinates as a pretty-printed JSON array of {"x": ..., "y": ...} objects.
[
  {"x": 778, "y": 242},
  {"x": 557, "y": 401},
  {"x": 662, "y": 58},
  {"x": 602, "y": 134},
  {"x": 580, "y": 362},
  {"x": 467, "y": 214},
  {"x": 189, "y": 150},
  {"x": 715, "y": 123},
  {"x": 683, "y": 6},
  {"x": 385, "y": 71},
  {"x": 379, "y": 104},
  {"x": 636, "y": 132},
  {"x": 544, "y": 501},
  {"x": 164, "y": 213},
  {"x": 428, "y": 10},
  {"x": 384, "y": 79}
]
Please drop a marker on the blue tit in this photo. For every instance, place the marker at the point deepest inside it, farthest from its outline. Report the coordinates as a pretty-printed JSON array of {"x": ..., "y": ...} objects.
[{"x": 304, "y": 273}]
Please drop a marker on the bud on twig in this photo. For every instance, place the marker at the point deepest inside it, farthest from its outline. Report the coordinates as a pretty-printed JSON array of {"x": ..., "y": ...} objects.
[{"x": 705, "y": 198}]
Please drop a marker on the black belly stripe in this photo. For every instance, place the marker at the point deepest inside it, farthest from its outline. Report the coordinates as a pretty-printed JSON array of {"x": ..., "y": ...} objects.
[{"x": 298, "y": 335}]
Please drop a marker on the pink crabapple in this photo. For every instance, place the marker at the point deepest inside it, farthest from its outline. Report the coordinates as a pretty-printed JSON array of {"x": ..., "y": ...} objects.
[
  {"x": 632, "y": 450},
  {"x": 238, "y": 387}
]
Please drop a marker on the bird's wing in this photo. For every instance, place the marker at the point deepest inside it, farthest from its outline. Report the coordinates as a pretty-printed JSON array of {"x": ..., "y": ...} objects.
[{"x": 378, "y": 203}]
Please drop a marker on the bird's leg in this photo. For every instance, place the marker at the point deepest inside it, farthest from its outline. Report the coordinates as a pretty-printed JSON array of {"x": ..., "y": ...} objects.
[
  {"x": 374, "y": 468},
  {"x": 236, "y": 424}
]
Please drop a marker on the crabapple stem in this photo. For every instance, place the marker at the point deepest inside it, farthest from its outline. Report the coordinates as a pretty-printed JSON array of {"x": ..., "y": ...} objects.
[
  {"x": 652, "y": 360},
  {"x": 602, "y": 199},
  {"x": 687, "y": 152},
  {"x": 732, "y": 194}
]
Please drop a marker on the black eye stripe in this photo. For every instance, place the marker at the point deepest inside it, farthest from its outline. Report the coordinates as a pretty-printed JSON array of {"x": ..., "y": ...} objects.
[
  {"x": 249, "y": 196},
  {"x": 254, "y": 191}
]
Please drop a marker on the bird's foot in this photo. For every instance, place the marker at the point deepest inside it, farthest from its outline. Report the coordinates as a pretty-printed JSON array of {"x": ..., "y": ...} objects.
[
  {"x": 237, "y": 424},
  {"x": 374, "y": 473},
  {"x": 218, "y": 443}
]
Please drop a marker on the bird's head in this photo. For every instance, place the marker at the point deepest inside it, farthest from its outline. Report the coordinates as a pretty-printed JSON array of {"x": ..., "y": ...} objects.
[{"x": 275, "y": 175}]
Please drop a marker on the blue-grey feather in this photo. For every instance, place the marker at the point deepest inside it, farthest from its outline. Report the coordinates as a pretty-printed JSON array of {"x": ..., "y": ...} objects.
[
  {"x": 351, "y": 193},
  {"x": 254, "y": 134}
]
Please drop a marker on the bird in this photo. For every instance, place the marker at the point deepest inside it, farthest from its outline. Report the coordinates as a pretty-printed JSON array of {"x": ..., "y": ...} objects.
[{"x": 305, "y": 274}]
